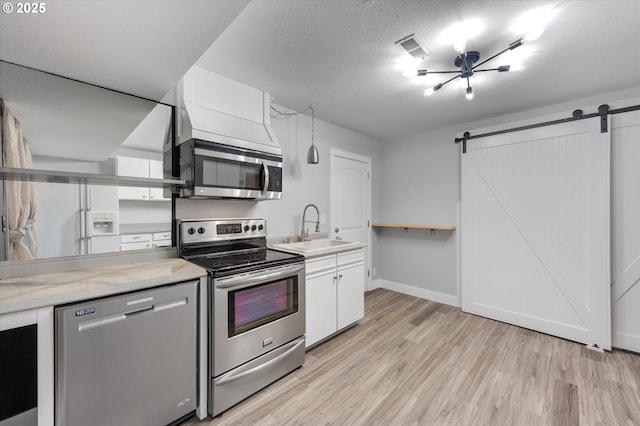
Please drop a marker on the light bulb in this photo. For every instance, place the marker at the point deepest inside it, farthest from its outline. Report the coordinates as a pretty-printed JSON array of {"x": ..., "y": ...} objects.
[
  {"x": 409, "y": 73},
  {"x": 469, "y": 93},
  {"x": 516, "y": 67},
  {"x": 533, "y": 34},
  {"x": 433, "y": 89},
  {"x": 460, "y": 45}
]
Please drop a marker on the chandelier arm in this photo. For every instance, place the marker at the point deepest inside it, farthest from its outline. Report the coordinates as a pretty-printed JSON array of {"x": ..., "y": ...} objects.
[
  {"x": 439, "y": 72},
  {"x": 450, "y": 80},
  {"x": 493, "y": 57},
  {"x": 512, "y": 46}
]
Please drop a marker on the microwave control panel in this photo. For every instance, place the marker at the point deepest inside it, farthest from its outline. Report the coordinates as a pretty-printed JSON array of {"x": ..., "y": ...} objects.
[{"x": 275, "y": 179}]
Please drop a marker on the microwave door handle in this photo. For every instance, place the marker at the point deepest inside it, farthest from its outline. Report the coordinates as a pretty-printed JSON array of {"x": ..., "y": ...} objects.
[{"x": 265, "y": 174}]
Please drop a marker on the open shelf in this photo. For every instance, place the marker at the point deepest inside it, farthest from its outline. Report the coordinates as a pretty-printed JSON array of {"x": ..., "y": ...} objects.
[
  {"x": 36, "y": 175},
  {"x": 407, "y": 226}
]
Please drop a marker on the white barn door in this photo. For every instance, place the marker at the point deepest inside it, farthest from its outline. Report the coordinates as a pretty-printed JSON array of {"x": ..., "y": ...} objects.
[
  {"x": 625, "y": 221},
  {"x": 535, "y": 230}
]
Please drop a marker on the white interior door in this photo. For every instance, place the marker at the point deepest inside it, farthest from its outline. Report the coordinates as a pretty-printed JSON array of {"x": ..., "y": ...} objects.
[
  {"x": 625, "y": 238},
  {"x": 535, "y": 230},
  {"x": 351, "y": 200}
]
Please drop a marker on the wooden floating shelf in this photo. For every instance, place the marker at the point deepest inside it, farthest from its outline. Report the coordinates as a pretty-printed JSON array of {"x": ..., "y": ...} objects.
[{"x": 414, "y": 226}]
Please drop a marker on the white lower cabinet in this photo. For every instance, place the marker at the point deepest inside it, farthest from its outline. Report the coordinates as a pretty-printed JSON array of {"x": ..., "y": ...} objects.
[
  {"x": 350, "y": 288},
  {"x": 321, "y": 299},
  {"x": 334, "y": 294}
]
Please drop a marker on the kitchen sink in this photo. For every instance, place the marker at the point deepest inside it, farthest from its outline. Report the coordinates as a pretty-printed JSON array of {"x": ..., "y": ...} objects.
[{"x": 315, "y": 246}]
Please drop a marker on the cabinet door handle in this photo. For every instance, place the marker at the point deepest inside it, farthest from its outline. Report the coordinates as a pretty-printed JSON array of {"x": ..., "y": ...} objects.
[{"x": 340, "y": 276}]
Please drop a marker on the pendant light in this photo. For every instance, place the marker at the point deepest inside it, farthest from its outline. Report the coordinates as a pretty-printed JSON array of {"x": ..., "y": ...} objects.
[{"x": 313, "y": 156}]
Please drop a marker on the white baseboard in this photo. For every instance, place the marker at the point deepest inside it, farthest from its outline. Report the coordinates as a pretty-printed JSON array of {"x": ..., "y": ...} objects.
[
  {"x": 422, "y": 293},
  {"x": 625, "y": 341},
  {"x": 373, "y": 284}
]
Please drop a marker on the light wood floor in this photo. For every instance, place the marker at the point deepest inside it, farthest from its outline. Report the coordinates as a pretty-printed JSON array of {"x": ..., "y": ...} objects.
[{"x": 412, "y": 361}]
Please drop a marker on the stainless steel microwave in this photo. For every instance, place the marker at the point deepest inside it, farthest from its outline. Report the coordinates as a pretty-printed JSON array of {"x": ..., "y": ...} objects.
[{"x": 214, "y": 170}]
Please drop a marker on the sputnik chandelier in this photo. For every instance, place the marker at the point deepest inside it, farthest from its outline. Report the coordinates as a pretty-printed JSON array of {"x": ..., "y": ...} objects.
[{"x": 467, "y": 60}]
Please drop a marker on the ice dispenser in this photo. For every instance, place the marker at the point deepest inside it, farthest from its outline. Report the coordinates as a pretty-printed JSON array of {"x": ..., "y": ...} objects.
[{"x": 102, "y": 223}]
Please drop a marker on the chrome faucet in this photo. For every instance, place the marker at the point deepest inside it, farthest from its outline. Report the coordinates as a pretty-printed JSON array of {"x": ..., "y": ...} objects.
[{"x": 304, "y": 214}]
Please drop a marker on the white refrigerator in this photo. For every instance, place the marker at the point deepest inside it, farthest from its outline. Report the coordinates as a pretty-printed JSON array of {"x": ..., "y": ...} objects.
[{"x": 75, "y": 219}]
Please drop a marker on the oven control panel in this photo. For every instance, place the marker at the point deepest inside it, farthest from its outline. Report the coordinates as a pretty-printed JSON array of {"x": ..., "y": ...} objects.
[{"x": 203, "y": 230}]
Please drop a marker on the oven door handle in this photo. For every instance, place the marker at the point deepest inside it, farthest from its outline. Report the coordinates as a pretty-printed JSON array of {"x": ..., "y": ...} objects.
[
  {"x": 232, "y": 376},
  {"x": 242, "y": 280}
]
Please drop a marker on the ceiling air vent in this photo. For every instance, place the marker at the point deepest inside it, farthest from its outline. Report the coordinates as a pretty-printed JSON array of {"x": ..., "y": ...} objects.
[{"x": 412, "y": 45}]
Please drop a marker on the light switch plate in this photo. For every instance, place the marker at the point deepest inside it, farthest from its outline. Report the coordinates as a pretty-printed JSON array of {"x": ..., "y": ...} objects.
[{"x": 323, "y": 218}]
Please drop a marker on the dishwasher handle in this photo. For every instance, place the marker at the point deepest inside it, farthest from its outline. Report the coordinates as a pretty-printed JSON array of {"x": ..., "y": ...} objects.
[
  {"x": 111, "y": 319},
  {"x": 139, "y": 310}
]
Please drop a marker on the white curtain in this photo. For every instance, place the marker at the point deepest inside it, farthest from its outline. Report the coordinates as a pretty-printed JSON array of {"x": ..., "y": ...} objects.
[{"x": 21, "y": 208}]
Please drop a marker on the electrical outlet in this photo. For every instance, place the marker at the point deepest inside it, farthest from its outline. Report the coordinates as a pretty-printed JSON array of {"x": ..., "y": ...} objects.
[
  {"x": 374, "y": 272},
  {"x": 323, "y": 218}
]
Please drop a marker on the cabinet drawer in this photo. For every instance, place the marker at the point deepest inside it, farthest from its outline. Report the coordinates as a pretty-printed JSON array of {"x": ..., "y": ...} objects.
[
  {"x": 320, "y": 266},
  {"x": 135, "y": 238},
  {"x": 350, "y": 258},
  {"x": 162, "y": 236},
  {"x": 135, "y": 246}
]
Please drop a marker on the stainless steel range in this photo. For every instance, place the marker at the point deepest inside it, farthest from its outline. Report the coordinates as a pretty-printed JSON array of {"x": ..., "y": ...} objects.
[{"x": 256, "y": 306}]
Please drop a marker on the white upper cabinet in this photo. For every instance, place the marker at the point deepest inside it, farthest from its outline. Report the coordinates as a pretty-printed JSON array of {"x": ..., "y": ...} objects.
[{"x": 143, "y": 168}]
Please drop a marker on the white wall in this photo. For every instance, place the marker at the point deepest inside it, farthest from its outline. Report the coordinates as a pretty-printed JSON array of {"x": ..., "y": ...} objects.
[
  {"x": 145, "y": 212},
  {"x": 302, "y": 183},
  {"x": 420, "y": 183}
]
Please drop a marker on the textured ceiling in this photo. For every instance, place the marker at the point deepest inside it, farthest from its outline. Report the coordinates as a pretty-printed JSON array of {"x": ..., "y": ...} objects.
[
  {"x": 340, "y": 56},
  {"x": 138, "y": 47}
]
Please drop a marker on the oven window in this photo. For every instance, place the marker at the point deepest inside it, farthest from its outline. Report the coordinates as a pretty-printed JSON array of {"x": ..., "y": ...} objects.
[
  {"x": 254, "y": 306},
  {"x": 230, "y": 174}
]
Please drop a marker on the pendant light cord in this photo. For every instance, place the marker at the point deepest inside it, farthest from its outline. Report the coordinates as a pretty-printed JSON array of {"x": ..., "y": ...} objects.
[
  {"x": 313, "y": 117},
  {"x": 313, "y": 157}
]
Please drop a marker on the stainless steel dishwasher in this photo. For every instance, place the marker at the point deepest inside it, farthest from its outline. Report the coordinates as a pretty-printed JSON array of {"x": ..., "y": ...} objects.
[{"x": 127, "y": 360}]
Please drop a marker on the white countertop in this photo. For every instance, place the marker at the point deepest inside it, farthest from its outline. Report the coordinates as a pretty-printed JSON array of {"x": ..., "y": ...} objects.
[
  {"x": 318, "y": 247},
  {"x": 56, "y": 288}
]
